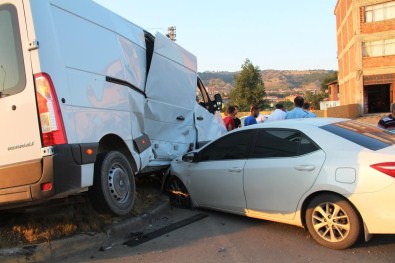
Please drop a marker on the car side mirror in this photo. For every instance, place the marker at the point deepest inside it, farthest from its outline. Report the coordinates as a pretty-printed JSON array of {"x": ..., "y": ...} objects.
[
  {"x": 189, "y": 157},
  {"x": 218, "y": 101}
]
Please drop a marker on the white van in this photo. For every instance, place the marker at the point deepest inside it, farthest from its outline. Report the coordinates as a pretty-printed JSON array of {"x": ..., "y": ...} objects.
[{"x": 88, "y": 100}]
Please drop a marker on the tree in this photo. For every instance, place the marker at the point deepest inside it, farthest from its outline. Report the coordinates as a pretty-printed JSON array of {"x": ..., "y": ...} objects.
[
  {"x": 329, "y": 78},
  {"x": 314, "y": 99},
  {"x": 249, "y": 88},
  {"x": 289, "y": 105}
]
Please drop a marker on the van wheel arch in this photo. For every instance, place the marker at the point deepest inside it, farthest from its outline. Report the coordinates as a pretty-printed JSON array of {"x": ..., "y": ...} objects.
[{"x": 112, "y": 142}]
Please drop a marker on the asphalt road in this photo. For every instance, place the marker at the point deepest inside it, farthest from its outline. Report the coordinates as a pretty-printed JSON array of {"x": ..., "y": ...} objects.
[{"x": 223, "y": 237}]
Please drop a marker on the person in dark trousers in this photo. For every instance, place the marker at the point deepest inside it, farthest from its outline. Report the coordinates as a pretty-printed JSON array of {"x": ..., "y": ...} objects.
[
  {"x": 254, "y": 112},
  {"x": 229, "y": 119},
  {"x": 237, "y": 120},
  {"x": 388, "y": 122}
]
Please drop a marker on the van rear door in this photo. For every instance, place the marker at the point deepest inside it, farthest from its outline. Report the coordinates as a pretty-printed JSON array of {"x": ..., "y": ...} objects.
[{"x": 20, "y": 142}]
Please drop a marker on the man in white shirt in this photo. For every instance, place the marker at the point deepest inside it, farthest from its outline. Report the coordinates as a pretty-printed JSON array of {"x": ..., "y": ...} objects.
[{"x": 278, "y": 114}]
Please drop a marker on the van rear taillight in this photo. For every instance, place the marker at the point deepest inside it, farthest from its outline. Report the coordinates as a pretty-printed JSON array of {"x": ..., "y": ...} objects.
[
  {"x": 52, "y": 128},
  {"x": 387, "y": 168}
]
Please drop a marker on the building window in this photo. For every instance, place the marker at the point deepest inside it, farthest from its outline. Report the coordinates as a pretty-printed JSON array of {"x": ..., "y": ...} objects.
[
  {"x": 380, "y": 12},
  {"x": 378, "y": 48}
]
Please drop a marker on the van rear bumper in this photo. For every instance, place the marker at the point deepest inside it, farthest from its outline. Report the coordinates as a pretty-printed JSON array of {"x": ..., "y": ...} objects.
[{"x": 66, "y": 171}]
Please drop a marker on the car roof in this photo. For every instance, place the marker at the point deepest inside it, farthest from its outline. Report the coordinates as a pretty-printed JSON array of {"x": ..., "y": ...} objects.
[{"x": 294, "y": 123}]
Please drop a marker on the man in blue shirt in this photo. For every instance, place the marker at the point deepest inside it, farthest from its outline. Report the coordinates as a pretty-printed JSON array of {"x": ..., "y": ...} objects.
[
  {"x": 297, "y": 112},
  {"x": 251, "y": 119},
  {"x": 306, "y": 108}
]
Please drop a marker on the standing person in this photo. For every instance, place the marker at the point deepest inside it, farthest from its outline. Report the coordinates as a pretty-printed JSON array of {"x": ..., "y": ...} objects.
[
  {"x": 261, "y": 118},
  {"x": 237, "y": 120},
  {"x": 297, "y": 112},
  {"x": 254, "y": 112},
  {"x": 306, "y": 108},
  {"x": 278, "y": 114},
  {"x": 388, "y": 122},
  {"x": 229, "y": 119}
]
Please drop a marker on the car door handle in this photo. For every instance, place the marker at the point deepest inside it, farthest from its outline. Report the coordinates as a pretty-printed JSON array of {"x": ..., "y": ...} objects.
[
  {"x": 180, "y": 118},
  {"x": 235, "y": 170},
  {"x": 200, "y": 118},
  {"x": 304, "y": 167}
]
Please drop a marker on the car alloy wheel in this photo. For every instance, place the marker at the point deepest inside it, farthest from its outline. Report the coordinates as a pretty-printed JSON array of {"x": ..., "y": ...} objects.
[{"x": 333, "y": 222}]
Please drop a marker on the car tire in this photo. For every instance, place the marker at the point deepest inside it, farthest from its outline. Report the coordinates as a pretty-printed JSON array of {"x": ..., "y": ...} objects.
[
  {"x": 178, "y": 193},
  {"x": 113, "y": 189},
  {"x": 333, "y": 222}
]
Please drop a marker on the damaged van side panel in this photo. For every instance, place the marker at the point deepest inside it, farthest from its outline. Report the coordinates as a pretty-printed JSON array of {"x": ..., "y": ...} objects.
[{"x": 170, "y": 89}]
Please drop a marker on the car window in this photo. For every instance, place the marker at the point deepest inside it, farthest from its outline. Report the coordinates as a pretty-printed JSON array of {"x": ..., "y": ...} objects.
[
  {"x": 367, "y": 136},
  {"x": 276, "y": 143},
  {"x": 282, "y": 143},
  {"x": 230, "y": 147},
  {"x": 307, "y": 146},
  {"x": 12, "y": 75}
]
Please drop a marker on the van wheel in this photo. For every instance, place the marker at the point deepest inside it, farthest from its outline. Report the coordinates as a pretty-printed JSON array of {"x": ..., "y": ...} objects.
[
  {"x": 333, "y": 222},
  {"x": 113, "y": 189}
]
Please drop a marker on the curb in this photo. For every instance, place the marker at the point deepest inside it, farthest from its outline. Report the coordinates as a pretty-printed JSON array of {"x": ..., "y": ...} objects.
[{"x": 61, "y": 248}]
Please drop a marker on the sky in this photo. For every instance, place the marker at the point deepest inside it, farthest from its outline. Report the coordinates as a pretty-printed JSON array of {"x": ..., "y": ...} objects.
[{"x": 281, "y": 34}]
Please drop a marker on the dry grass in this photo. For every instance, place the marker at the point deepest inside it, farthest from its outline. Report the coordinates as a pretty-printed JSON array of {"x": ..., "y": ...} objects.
[{"x": 48, "y": 221}]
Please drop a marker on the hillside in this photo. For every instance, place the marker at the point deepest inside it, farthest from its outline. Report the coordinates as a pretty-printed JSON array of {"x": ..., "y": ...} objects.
[{"x": 277, "y": 82}]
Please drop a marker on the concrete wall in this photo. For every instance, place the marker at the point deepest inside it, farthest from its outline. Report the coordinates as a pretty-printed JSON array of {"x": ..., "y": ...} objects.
[{"x": 349, "y": 111}]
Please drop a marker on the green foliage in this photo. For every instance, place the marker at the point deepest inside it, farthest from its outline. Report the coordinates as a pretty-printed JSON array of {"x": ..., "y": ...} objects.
[
  {"x": 249, "y": 88},
  {"x": 289, "y": 105},
  {"x": 329, "y": 78},
  {"x": 314, "y": 99}
]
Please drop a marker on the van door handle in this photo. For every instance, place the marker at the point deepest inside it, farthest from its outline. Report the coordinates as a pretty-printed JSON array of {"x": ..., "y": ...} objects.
[
  {"x": 200, "y": 118},
  {"x": 235, "y": 170},
  {"x": 180, "y": 118},
  {"x": 304, "y": 167}
]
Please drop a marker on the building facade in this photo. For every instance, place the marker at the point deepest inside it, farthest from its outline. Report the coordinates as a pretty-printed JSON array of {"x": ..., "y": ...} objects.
[{"x": 366, "y": 53}]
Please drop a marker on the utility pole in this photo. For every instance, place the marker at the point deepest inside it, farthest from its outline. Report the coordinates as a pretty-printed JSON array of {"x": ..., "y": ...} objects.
[{"x": 171, "y": 33}]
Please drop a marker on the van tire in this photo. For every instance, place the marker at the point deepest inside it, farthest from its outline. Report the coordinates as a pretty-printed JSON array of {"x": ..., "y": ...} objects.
[{"x": 113, "y": 189}]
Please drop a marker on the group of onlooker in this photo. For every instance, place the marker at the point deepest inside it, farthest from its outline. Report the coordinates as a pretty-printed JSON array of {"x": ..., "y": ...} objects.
[{"x": 301, "y": 110}]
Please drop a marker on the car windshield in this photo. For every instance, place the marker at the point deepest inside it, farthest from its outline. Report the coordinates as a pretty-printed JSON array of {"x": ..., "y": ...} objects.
[{"x": 362, "y": 134}]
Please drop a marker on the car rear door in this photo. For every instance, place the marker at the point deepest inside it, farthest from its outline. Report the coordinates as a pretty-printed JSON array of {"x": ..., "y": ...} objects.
[
  {"x": 20, "y": 142},
  {"x": 283, "y": 166}
]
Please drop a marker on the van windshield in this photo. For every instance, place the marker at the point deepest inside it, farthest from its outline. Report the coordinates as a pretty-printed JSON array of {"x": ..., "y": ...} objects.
[{"x": 12, "y": 73}]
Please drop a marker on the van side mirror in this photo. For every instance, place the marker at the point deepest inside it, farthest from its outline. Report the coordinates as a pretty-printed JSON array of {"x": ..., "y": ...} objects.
[
  {"x": 189, "y": 157},
  {"x": 218, "y": 101}
]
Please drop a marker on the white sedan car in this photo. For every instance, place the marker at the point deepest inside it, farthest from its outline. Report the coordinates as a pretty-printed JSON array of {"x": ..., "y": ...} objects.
[{"x": 335, "y": 177}]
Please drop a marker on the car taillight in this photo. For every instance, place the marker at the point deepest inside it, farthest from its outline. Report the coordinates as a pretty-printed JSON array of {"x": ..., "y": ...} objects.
[
  {"x": 52, "y": 128},
  {"x": 387, "y": 168}
]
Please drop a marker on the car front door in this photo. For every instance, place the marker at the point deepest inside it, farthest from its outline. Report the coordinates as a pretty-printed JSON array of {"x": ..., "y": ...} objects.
[
  {"x": 216, "y": 181},
  {"x": 283, "y": 166}
]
